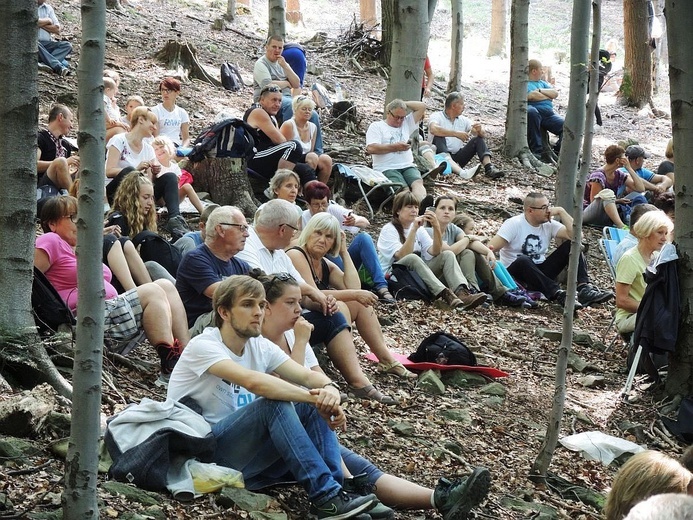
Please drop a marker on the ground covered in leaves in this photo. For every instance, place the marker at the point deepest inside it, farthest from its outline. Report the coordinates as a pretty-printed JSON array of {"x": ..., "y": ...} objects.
[{"x": 426, "y": 436}]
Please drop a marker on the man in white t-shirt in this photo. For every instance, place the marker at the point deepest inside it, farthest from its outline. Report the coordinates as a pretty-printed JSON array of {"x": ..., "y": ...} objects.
[
  {"x": 523, "y": 242},
  {"x": 289, "y": 433},
  {"x": 460, "y": 138}
]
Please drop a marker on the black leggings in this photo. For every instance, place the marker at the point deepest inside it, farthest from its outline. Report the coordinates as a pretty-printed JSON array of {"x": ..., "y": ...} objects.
[{"x": 165, "y": 187}]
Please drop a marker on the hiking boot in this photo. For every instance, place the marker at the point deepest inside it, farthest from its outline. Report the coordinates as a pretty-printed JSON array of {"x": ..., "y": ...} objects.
[
  {"x": 560, "y": 298},
  {"x": 454, "y": 499},
  {"x": 449, "y": 297},
  {"x": 425, "y": 203},
  {"x": 359, "y": 485},
  {"x": 588, "y": 295},
  {"x": 177, "y": 226},
  {"x": 343, "y": 505},
  {"x": 489, "y": 298},
  {"x": 510, "y": 299},
  {"x": 469, "y": 300},
  {"x": 169, "y": 355},
  {"x": 493, "y": 173}
]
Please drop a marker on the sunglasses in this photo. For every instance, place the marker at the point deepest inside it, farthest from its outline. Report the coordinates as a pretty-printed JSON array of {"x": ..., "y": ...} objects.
[{"x": 270, "y": 88}]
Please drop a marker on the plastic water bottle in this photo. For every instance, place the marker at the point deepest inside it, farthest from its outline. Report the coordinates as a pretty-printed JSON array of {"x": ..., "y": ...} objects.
[{"x": 338, "y": 91}]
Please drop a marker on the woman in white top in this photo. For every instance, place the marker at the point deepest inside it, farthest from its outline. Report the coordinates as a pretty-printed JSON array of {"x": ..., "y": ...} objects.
[
  {"x": 300, "y": 128},
  {"x": 174, "y": 121}
]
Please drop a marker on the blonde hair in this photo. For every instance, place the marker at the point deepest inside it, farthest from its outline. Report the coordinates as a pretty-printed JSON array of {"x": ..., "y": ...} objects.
[
  {"x": 669, "y": 152},
  {"x": 127, "y": 201},
  {"x": 650, "y": 222},
  {"x": 323, "y": 222},
  {"x": 168, "y": 145},
  {"x": 142, "y": 112},
  {"x": 301, "y": 101}
]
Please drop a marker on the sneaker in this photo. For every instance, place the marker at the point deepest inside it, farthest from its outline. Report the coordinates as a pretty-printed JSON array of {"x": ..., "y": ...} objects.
[
  {"x": 591, "y": 295},
  {"x": 469, "y": 300},
  {"x": 343, "y": 505},
  {"x": 169, "y": 355},
  {"x": 65, "y": 71},
  {"x": 359, "y": 485},
  {"x": 426, "y": 202},
  {"x": 470, "y": 173},
  {"x": 44, "y": 67},
  {"x": 510, "y": 299},
  {"x": 494, "y": 173},
  {"x": 560, "y": 298},
  {"x": 454, "y": 499},
  {"x": 177, "y": 226},
  {"x": 433, "y": 174}
]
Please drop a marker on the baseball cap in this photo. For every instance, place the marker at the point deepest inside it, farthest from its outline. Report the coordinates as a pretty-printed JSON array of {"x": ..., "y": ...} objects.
[{"x": 634, "y": 152}]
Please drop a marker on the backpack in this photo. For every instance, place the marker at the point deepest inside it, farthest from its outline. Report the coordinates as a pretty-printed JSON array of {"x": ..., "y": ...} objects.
[
  {"x": 50, "y": 311},
  {"x": 156, "y": 248},
  {"x": 406, "y": 284},
  {"x": 444, "y": 349},
  {"x": 231, "y": 77},
  {"x": 228, "y": 138},
  {"x": 320, "y": 96}
]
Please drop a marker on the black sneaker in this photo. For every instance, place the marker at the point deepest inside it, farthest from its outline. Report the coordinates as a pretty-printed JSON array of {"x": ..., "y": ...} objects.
[
  {"x": 454, "y": 499},
  {"x": 510, "y": 299},
  {"x": 425, "y": 203},
  {"x": 169, "y": 355},
  {"x": 591, "y": 295},
  {"x": 177, "y": 226},
  {"x": 343, "y": 505},
  {"x": 560, "y": 298},
  {"x": 360, "y": 485},
  {"x": 493, "y": 173}
]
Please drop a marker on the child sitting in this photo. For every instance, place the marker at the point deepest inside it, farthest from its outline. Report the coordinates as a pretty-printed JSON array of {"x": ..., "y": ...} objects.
[
  {"x": 165, "y": 152},
  {"x": 113, "y": 123}
]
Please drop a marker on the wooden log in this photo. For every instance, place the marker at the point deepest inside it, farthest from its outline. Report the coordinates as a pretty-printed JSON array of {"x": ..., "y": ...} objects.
[{"x": 226, "y": 181}]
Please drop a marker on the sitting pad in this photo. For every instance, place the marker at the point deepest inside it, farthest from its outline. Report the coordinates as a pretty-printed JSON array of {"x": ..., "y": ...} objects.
[{"x": 411, "y": 365}]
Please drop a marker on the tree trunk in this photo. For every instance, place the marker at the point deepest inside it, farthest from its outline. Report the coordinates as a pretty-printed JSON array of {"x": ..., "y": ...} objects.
[
  {"x": 636, "y": 88},
  {"x": 367, "y": 12},
  {"x": 496, "y": 44},
  {"x": 679, "y": 23},
  {"x": 226, "y": 181},
  {"x": 231, "y": 10},
  {"x": 277, "y": 18},
  {"x": 388, "y": 10},
  {"x": 516, "y": 119},
  {"x": 79, "y": 498},
  {"x": 576, "y": 109},
  {"x": 181, "y": 57},
  {"x": 456, "y": 38}
]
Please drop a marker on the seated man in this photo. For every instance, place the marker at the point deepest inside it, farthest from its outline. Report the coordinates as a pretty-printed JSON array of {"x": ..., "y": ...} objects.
[
  {"x": 288, "y": 434},
  {"x": 448, "y": 131},
  {"x": 540, "y": 114},
  {"x": 654, "y": 183},
  {"x": 54, "y": 154},
  {"x": 523, "y": 242},
  {"x": 388, "y": 142},
  {"x": 274, "y": 68},
  {"x": 274, "y": 151},
  {"x": 192, "y": 239},
  {"x": 51, "y": 53}
]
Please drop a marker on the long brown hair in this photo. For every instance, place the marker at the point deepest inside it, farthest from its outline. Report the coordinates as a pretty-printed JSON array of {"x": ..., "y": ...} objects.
[{"x": 403, "y": 198}]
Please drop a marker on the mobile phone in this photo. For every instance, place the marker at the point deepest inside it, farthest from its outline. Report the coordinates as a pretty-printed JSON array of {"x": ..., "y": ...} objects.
[{"x": 431, "y": 208}]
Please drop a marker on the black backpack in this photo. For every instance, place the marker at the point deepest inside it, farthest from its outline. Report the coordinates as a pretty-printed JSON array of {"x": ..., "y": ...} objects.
[
  {"x": 49, "y": 308},
  {"x": 156, "y": 248},
  {"x": 228, "y": 138},
  {"x": 444, "y": 349},
  {"x": 405, "y": 284},
  {"x": 231, "y": 77}
]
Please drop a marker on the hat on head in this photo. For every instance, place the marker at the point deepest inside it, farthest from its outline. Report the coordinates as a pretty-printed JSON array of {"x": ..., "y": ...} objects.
[{"x": 635, "y": 151}]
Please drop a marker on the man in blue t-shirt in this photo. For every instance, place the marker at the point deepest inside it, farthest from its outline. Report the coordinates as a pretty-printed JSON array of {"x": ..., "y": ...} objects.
[
  {"x": 540, "y": 113},
  {"x": 654, "y": 183}
]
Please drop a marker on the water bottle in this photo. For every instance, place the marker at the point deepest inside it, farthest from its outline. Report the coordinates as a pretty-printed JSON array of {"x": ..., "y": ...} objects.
[{"x": 338, "y": 91}]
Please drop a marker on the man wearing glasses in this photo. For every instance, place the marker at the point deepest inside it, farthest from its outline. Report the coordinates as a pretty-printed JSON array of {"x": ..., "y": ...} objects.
[{"x": 523, "y": 242}]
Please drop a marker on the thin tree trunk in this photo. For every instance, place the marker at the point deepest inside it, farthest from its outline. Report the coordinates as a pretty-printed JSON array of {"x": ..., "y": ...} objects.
[
  {"x": 277, "y": 18},
  {"x": 679, "y": 22},
  {"x": 636, "y": 88},
  {"x": 367, "y": 13},
  {"x": 387, "y": 13},
  {"x": 456, "y": 38},
  {"x": 499, "y": 15},
  {"x": 231, "y": 10},
  {"x": 79, "y": 498}
]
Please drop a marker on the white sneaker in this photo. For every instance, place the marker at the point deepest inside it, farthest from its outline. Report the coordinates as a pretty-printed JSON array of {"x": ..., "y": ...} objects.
[{"x": 469, "y": 173}]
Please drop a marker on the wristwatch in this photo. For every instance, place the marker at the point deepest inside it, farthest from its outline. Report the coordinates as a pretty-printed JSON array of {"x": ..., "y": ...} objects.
[
  {"x": 539, "y": 90},
  {"x": 331, "y": 383}
]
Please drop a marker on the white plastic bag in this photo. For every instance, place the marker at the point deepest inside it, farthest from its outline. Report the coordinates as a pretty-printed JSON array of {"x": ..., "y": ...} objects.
[
  {"x": 599, "y": 446},
  {"x": 208, "y": 478}
]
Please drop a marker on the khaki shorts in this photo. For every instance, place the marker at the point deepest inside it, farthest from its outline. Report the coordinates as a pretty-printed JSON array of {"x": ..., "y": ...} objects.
[{"x": 123, "y": 318}]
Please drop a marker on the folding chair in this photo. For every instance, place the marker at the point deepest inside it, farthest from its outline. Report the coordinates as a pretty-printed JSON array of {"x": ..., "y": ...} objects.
[
  {"x": 613, "y": 233},
  {"x": 368, "y": 180},
  {"x": 608, "y": 247}
]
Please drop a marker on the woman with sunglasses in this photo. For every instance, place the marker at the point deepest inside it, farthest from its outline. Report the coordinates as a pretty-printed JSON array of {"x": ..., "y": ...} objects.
[{"x": 300, "y": 128}]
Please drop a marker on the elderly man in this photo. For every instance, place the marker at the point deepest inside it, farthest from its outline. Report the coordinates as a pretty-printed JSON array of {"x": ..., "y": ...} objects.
[
  {"x": 460, "y": 138},
  {"x": 51, "y": 53},
  {"x": 273, "y": 68},
  {"x": 654, "y": 183},
  {"x": 54, "y": 157},
  {"x": 523, "y": 242},
  {"x": 540, "y": 113}
]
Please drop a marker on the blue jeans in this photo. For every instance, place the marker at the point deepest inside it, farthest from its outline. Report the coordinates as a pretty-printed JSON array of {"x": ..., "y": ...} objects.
[
  {"x": 362, "y": 252},
  {"x": 53, "y": 54},
  {"x": 286, "y": 112},
  {"x": 538, "y": 118},
  {"x": 275, "y": 441}
]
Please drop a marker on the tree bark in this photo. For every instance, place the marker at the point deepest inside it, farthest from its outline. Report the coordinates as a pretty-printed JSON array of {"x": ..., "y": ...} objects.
[
  {"x": 456, "y": 39},
  {"x": 277, "y": 18},
  {"x": 679, "y": 22},
  {"x": 226, "y": 181},
  {"x": 636, "y": 88},
  {"x": 496, "y": 44},
  {"x": 387, "y": 13},
  {"x": 231, "y": 10},
  {"x": 181, "y": 57},
  {"x": 367, "y": 13}
]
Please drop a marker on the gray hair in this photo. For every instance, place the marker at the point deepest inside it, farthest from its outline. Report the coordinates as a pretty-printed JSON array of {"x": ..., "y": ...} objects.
[
  {"x": 275, "y": 213},
  {"x": 280, "y": 178},
  {"x": 395, "y": 104},
  {"x": 667, "y": 506},
  {"x": 323, "y": 222},
  {"x": 218, "y": 216},
  {"x": 453, "y": 97}
]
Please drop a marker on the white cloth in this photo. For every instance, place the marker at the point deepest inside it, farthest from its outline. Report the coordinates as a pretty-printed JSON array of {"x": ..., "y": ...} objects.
[
  {"x": 310, "y": 360},
  {"x": 389, "y": 244},
  {"x": 127, "y": 155},
  {"x": 271, "y": 262},
  {"x": 172, "y": 167},
  {"x": 337, "y": 211},
  {"x": 170, "y": 122},
  {"x": 306, "y": 146},
  {"x": 112, "y": 110},
  {"x": 379, "y": 132},
  {"x": 525, "y": 239},
  {"x": 459, "y": 124},
  {"x": 219, "y": 398},
  {"x": 46, "y": 11}
]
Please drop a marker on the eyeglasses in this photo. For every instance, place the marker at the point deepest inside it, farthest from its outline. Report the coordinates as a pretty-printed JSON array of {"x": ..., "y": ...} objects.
[
  {"x": 295, "y": 229},
  {"x": 318, "y": 205},
  {"x": 270, "y": 88},
  {"x": 397, "y": 118},
  {"x": 167, "y": 90},
  {"x": 243, "y": 227},
  {"x": 540, "y": 208},
  {"x": 72, "y": 217}
]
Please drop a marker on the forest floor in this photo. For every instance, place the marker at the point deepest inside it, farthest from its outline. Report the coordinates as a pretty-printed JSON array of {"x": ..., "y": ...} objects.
[{"x": 503, "y": 434}]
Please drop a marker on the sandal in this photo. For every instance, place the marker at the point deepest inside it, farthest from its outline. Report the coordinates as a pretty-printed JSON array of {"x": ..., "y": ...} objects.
[
  {"x": 396, "y": 368},
  {"x": 385, "y": 295},
  {"x": 372, "y": 393}
]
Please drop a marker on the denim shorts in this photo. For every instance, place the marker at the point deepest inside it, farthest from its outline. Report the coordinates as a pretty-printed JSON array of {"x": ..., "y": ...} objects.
[{"x": 123, "y": 317}]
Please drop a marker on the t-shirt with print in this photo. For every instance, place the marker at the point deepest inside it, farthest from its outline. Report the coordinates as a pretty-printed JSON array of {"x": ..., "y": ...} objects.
[
  {"x": 170, "y": 122},
  {"x": 128, "y": 157},
  {"x": 459, "y": 124},
  {"x": 525, "y": 239},
  {"x": 450, "y": 233},
  {"x": 379, "y": 132},
  {"x": 217, "y": 397},
  {"x": 52, "y": 147},
  {"x": 629, "y": 270},
  {"x": 389, "y": 244},
  {"x": 618, "y": 185}
]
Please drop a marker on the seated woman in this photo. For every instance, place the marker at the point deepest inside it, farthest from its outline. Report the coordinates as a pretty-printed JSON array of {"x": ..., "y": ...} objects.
[
  {"x": 155, "y": 307},
  {"x": 604, "y": 203},
  {"x": 285, "y": 184},
  {"x": 404, "y": 241},
  {"x": 173, "y": 120},
  {"x": 284, "y": 326},
  {"x": 645, "y": 474},
  {"x": 165, "y": 151},
  {"x": 652, "y": 231},
  {"x": 130, "y": 151},
  {"x": 474, "y": 258},
  {"x": 300, "y": 128},
  {"x": 323, "y": 236},
  {"x": 362, "y": 249}
]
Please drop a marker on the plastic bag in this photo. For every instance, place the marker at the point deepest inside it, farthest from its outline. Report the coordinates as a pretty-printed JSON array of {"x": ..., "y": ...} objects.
[
  {"x": 208, "y": 478},
  {"x": 599, "y": 446}
]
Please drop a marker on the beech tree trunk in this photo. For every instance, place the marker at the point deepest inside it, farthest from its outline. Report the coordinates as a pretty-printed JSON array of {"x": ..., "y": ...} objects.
[
  {"x": 226, "y": 181},
  {"x": 456, "y": 38},
  {"x": 277, "y": 18},
  {"x": 679, "y": 23},
  {"x": 636, "y": 88},
  {"x": 231, "y": 10},
  {"x": 499, "y": 12},
  {"x": 387, "y": 13},
  {"x": 515, "y": 143}
]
